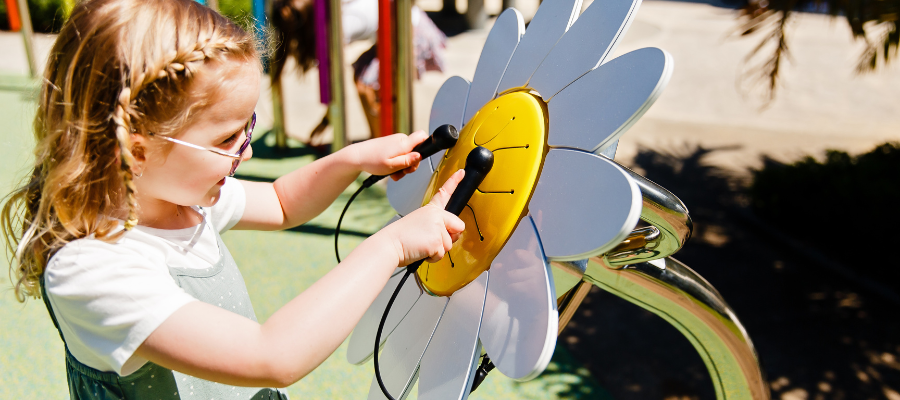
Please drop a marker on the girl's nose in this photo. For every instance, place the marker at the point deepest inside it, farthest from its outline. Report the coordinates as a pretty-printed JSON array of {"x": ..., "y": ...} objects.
[{"x": 248, "y": 153}]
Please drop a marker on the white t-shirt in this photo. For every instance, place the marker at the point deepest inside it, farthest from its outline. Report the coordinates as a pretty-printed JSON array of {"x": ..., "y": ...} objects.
[{"x": 108, "y": 297}]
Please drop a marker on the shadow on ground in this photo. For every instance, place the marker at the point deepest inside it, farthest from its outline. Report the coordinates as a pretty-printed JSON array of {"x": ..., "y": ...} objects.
[{"x": 819, "y": 336}]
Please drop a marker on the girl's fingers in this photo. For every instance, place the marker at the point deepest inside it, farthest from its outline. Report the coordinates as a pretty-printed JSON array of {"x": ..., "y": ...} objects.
[
  {"x": 414, "y": 139},
  {"x": 403, "y": 162},
  {"x": 453, "y": 224},
  {"x": 437, "y": 256},
  {"x": 441, "y": 198}
]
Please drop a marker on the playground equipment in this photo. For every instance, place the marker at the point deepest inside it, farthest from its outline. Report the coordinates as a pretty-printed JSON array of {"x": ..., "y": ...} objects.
[
  {"x": 20, "y": 20},
  {"x": 554, "y": 215},
  {"x": 395, "y": 76}
]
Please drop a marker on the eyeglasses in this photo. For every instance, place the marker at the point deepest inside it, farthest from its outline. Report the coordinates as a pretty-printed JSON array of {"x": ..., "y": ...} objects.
[{"x": 248, "y": 130}]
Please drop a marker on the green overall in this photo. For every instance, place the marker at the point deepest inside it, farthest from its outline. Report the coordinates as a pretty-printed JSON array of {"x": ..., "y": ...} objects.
[{"x": 220, "y": 285}]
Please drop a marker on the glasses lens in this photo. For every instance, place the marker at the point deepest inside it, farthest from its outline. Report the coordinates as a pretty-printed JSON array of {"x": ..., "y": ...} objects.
[{"x": 248, "y": 131}]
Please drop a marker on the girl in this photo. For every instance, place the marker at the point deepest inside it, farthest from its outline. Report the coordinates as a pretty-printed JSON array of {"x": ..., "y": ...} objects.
[{"x": 145, "y": 113}]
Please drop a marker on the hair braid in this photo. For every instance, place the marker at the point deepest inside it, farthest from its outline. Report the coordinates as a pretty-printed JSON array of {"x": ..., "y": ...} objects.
[
  {"x": 122, "y": 119},
  {"x": 118, "y": 68}
]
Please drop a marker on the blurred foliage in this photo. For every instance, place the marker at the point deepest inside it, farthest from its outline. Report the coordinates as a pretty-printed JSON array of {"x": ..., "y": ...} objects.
[
  {"x": 47, "y": 16},
  {"x": 240, "y": 11},
  {"x": 874, "y": 22},
  {"x": 842, "y": 205}
]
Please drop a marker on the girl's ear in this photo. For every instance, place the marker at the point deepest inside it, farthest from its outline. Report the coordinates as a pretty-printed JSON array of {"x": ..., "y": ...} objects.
[{"x": 138, "y": 147}]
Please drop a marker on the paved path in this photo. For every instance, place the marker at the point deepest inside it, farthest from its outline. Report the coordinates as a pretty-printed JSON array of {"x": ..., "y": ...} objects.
[{"x": 821, "y": 104}]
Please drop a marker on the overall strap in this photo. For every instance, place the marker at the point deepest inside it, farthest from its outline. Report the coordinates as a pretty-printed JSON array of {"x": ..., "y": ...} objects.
[{"x": 50, "y": 308}]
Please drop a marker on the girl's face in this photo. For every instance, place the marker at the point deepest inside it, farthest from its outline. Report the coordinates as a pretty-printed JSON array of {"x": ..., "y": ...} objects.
[{"x": 187, "y": 176}]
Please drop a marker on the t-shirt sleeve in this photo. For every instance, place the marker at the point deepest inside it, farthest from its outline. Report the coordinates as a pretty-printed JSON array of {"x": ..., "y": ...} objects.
[
  {"x": 108, "y": 300},
  {"x": 227, "y": 212}
]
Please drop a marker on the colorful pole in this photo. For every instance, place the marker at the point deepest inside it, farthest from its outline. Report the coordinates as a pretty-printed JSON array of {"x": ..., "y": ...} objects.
[
  {"x": 403, "y": 69},
  {"x": 12, "y": 13},
  {"x": 320, "y": 18},
  {"x": 385, "y": 66}
]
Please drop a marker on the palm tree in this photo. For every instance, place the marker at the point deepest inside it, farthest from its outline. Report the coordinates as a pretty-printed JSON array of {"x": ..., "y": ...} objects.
[{"x": 867, "y": 18}]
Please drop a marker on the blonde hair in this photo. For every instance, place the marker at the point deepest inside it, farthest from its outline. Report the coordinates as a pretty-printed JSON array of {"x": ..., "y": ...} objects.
[{"x": 118, "y": 67}]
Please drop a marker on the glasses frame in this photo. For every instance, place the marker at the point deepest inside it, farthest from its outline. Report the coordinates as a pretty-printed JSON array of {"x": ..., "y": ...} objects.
[{"x": 248, "y": 131}]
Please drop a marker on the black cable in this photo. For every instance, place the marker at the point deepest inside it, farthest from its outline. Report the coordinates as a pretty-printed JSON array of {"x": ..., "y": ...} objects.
[
  {"x": 481, "y": 372},
  {"x": 337, "y": 230},
  {"x": 409, "y": 271},
  {"x": 478, "y": 163},
  {"x": 443, "y": 138}
]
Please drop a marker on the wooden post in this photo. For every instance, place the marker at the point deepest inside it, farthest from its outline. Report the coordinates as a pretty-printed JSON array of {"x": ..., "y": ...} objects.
[
  {"x": 403, "y": 69},
  {"x": 278, "y": 115},
  {"x": 336, "y": 108},
  {"x": 27, "y": 36}
]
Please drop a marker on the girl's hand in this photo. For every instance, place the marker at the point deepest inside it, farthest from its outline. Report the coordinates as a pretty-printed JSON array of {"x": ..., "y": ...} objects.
[
  {"x": 428, "y": 232},
  {"x": 390, "y": 155}
]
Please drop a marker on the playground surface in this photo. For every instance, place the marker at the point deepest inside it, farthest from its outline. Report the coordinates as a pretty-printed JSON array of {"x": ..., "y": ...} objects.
[{"x": 822, "y": 104}]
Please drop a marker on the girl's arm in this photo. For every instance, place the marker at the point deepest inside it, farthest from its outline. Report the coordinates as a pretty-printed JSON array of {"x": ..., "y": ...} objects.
[
  {"x": 211, "y": 343},
  {"x": 303, "y": 194}
]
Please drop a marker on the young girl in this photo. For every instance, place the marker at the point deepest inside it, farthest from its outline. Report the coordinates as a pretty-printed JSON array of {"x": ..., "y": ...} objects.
[{"x": 147, "y": 109}]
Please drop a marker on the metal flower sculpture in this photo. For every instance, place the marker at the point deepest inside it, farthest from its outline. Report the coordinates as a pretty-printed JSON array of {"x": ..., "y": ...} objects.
[{"x": 548, "y": 102}]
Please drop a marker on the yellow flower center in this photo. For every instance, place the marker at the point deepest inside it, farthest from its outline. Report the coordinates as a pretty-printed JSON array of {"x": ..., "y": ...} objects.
[{"x": 514, "y": 127}]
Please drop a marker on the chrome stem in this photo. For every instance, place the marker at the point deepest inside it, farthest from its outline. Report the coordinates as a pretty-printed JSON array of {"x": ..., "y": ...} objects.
[
  {"x": 684, "y": 299},
  {"x": 641, "y": 271}
]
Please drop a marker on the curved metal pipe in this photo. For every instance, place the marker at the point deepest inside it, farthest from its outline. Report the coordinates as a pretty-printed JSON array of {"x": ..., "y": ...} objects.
[
  {"x": 667, "y": 213},
  {"x": 678, "y": 295}
]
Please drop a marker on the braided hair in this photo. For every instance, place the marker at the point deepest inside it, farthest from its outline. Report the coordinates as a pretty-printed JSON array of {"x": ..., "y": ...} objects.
[{"x": 118, "y": 68}]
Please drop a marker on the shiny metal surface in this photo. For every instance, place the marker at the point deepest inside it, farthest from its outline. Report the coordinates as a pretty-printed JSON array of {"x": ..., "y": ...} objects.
[
  {"x": 587, "y": 44},
  {"x": 639, "y": 242},
  {"x": 550, "y": 22},
  {"x": 448, "y": 108},
  {"x": 402, "y": 353},
  {"x": 567, "y": 275},
  {"x": 688, "y": 302},
  {"x": 449, "y": 362},
  {"x": 664, "y": 211},
  {"x": 520, "y": 319},
  {"x": 583, "y": 205},
  {"x": 498, "y": 48},
  {"x": 406, "y": 194},
  {"x": 602, "y": 105},
  {"x": 362, "y": 340}
]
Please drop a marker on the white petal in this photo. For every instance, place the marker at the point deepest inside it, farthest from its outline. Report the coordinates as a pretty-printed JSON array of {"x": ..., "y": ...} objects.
[
  {"x": 520, "y": 318},
  {"x": 450, "y": 360},
  {"x": 448, "y": 108},
  {"x": 586, "y": 45},
  {"x": 406, "y": 194},
  {"x": 552, "y": 20},
  {"x": 362, "y": 341},
  {"x": 402, "y": 353},
  {"x": 583, "y": 205},
  {"x": 598, "y": 108},
  {"x": 498, "y": 48}
]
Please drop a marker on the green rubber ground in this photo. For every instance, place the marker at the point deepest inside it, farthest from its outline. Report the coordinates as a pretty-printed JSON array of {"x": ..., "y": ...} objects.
[{"x": 276, "y": 266}]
